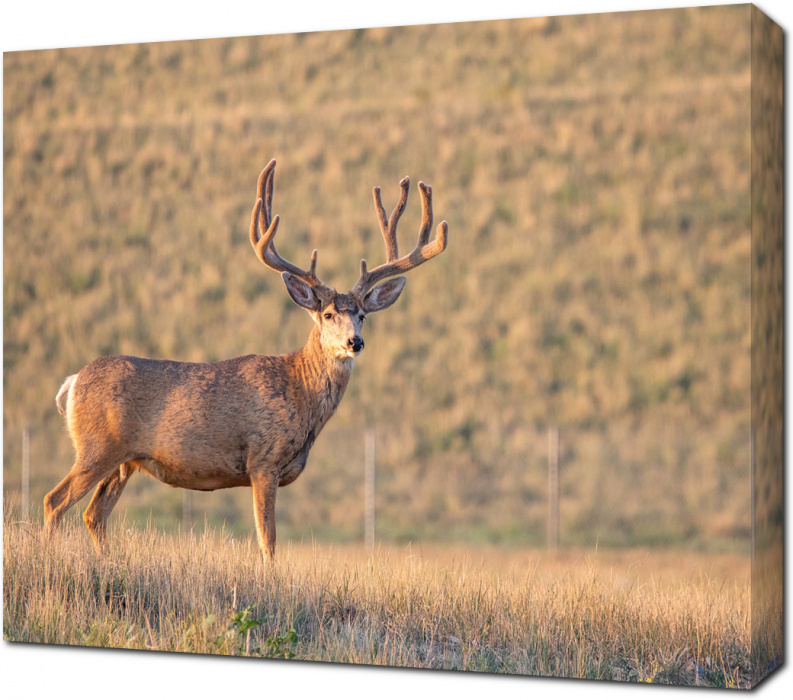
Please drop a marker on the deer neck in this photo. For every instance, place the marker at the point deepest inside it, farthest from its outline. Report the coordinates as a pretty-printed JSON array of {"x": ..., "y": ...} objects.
[{"x": 324, "y": 377}]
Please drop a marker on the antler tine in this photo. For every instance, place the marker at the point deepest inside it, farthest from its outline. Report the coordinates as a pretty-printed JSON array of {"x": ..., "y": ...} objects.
[
  {"x": 261, "y": 219},
  {"x": 389, "y": 227},
  {"x": 423, "y": 251},
  {"x": 426, "y": 214},
  {"x": 264, "y": 191},
  {"x": 382, "y": 217},
  {"x": 255, "y": 232}
]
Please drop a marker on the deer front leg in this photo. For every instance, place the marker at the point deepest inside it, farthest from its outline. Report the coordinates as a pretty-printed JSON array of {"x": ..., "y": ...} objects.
[{"x": 265, "y": 486}]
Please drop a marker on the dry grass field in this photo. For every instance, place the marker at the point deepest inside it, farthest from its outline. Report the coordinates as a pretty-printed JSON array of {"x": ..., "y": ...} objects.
[{"x": 628, "y": 616}]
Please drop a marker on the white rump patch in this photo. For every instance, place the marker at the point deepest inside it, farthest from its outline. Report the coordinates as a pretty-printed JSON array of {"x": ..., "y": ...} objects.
[{"x": 65, "y": 390}]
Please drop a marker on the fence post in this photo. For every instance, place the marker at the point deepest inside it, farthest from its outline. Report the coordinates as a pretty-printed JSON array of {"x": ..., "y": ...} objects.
[
  {"x": 369, "y": 460},
  {"x": 753, "y": 474},
  {"x": 25, "y": 473},
  {"x": 553, "y": 488},
  {"x": 187, "y": 511}
]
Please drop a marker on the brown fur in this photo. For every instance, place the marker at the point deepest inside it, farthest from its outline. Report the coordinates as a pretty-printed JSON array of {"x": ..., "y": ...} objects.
[
  {"x": 249, "y": 421},
  {"x": 241, "y": 422}
]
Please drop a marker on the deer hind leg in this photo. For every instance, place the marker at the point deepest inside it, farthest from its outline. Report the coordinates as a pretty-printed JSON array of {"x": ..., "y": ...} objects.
[
  {"x": 265, "y": 487},
  {"x": 82, "y": 477},
  {"x": 104, "y": 500}
]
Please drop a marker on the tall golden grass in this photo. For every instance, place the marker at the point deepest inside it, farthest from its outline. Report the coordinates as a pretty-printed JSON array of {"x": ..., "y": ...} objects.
[{"x": 629, "y": 616}]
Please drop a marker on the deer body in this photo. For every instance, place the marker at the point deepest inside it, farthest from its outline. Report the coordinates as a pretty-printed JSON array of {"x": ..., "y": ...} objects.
[
  {"x": 195, "y": 425},
  {"x": 248, "y": 421}
]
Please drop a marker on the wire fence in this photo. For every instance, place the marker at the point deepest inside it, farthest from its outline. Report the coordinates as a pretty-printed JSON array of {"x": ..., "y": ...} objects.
[{"x": 350, "y": 492}]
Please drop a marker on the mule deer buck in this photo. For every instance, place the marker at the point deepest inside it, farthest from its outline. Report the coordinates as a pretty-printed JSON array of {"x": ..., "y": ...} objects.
[{"x": 249, "y": 421}]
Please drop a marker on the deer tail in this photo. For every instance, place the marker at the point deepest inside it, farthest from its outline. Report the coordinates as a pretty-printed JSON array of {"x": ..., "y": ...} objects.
[{"x": 63, "y": 394}]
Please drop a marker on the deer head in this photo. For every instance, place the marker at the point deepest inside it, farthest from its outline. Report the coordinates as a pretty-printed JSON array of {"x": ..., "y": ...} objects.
[{"x": 341, "y": 316}]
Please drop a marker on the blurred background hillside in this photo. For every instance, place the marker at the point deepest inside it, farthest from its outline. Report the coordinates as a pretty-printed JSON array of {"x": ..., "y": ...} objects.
[{"x": 595, "y": 174}]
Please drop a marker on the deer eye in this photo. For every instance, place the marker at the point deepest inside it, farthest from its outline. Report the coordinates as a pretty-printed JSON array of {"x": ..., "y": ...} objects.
[
  {"x": 361, "y": 318},
  {"x": 329, "y": 316}
]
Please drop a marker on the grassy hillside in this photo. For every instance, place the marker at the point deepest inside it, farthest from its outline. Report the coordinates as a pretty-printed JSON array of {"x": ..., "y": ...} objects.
[{"x": 594, "y": 172}]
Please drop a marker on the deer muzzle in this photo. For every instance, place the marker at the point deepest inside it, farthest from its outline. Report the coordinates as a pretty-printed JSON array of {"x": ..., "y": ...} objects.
[{"x": 355, "y": 344}]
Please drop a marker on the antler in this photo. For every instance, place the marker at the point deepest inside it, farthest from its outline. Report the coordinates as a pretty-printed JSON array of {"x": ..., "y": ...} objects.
[
  {"x": 262, "y": 219},
  {"x": 423, "y": 251}
]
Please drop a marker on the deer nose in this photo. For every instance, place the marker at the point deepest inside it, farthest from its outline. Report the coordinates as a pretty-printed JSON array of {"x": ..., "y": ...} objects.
[{"x": 355, "y": 343}]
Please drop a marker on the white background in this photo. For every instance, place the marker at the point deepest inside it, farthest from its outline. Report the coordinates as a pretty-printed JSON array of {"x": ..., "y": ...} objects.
[{"x": 31, "y": 671}]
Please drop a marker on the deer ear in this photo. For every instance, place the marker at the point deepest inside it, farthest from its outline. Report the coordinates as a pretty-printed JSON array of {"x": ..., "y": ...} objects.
[
  {"x": 383, "y": 295},
  {"x": 300, "y": 292}
]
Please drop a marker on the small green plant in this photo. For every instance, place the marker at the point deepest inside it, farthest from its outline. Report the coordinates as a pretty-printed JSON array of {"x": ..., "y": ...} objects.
[
  {"x": 281, "y": 647},
  {"x": 242, "y": 621},
  {"x": 241, "y": 625}
]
